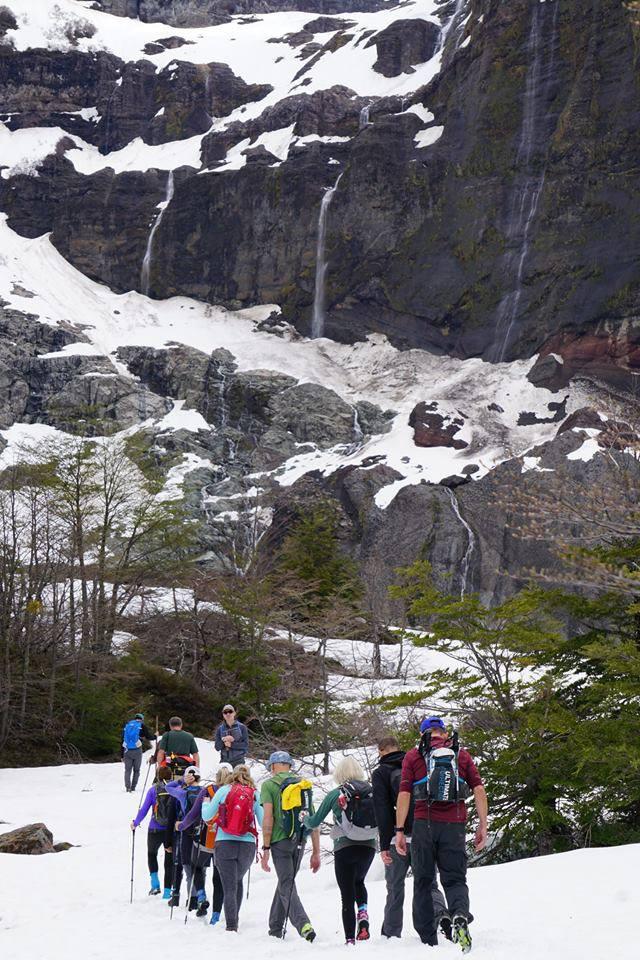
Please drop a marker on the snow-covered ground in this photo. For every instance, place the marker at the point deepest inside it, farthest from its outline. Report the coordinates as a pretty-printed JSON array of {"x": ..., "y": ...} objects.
[{"x": 576, "y": 906}]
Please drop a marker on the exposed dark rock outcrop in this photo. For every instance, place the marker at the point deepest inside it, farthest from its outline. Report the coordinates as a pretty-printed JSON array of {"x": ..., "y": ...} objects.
[
  {"x": 431, "y": 430},
  {"x": 203, "y": 13},
  {"x": 35, "y": 838},
  {"x": 404, "y": 44}
]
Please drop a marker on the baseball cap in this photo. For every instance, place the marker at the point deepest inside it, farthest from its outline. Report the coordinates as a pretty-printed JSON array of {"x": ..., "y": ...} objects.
[
  {"x": 279, "y": 756},
  {"x": 139, "y": 716},
  {"x": 228, "y": 706},
  {"x": 194, "y": 770},
  {"x": 225, "y": 766},
  {"x": 430, "y": 723}
]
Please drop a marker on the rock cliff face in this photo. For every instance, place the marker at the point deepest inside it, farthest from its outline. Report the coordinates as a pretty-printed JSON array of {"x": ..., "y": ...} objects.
[{"x": 459, "y": 177}]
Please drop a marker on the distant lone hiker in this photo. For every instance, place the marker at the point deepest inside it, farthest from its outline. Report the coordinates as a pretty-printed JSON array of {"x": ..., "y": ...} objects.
[
  {"x": 177, "y": 748},
  {"x": 133, "y": 732},
  {"x": 232, "y": 738}
]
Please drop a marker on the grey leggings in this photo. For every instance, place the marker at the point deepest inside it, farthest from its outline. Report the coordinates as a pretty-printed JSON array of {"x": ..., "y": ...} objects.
[{"x": 233, "y": 859}]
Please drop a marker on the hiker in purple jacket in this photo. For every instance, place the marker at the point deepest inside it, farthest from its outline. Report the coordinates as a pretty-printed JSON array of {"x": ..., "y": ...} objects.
[{"x": 159, "y": 801}]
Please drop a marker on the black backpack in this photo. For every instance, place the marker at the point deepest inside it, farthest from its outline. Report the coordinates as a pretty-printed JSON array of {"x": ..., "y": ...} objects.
[
  {"x": 162, "y": 805},
  {"x": 358, "y": 821}
]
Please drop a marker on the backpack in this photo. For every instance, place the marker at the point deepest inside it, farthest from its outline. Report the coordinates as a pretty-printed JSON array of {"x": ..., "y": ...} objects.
[
  {"x": 162, "y": 805},
  {"x": 358, "y": 820},
  {"x": 295, "y": 795},
  {"x": 235, "y": 813},
  {"x": 131, "y": 734},
  {"x": 395, "y": 779},
  {"x": 178, "y": 764},
  {"x": 442, "y": 784}
]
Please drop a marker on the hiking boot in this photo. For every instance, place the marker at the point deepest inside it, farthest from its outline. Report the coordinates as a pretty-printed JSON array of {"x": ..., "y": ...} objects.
[
  {"x": 154, "y": 891},
  {"x": 193, "y": 903},
  {"x": 276, "y": 933},
  {"x": 166, "y": 893},
  {"x": 174, "y": 900},
  {"x": 203, "y": 907},
  {"x": 308, "y": 933},
  {"x": 363, "y": 924},
  {"x": 155, "y": 885},
  {"x": 215, "y": 917},
  {"x": 445, "y": 926},
  {"x": 349, "y": 943},
  {"x": 460, "y": 932}
]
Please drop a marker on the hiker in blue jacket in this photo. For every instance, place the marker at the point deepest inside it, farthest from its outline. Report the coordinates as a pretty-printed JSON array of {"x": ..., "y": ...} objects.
[
  {"x": 133, "y": 733},
  {"x": 232, "y": 738}
]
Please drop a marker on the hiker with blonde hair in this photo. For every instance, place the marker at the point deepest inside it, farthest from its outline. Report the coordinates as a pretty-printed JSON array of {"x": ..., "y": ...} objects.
[
  {"x": 354, "y": 842},
  {"x": 236, "y": 808}
]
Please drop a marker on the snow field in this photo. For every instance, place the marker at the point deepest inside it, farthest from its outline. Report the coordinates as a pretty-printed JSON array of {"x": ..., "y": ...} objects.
[
  {"x": 372, "y": 370},
  {"x": 576, "y": 906}
]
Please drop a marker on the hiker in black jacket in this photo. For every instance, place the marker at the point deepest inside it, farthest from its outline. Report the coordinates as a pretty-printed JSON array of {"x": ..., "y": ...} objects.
[{"x": 386, "y": 783}]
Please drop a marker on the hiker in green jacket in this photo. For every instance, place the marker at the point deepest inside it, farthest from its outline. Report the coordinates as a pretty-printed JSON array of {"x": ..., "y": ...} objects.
[
  {"x": 283, "y": 841},
  {"x": 354, "y": 841}
]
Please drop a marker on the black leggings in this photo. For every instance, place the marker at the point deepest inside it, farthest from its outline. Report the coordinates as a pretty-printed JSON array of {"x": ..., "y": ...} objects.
[
  {"x": 351, "y": 865},
  {"x": 218, "y": 892},
  {"x": 155, "y": 839}
]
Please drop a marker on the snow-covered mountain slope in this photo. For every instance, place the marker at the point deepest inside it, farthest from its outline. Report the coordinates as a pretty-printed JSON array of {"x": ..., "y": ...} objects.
[{"x": 576, "y": 906}]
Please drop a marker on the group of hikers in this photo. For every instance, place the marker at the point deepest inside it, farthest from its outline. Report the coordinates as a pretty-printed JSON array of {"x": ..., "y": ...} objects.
[{"x": 412, "y": 810}]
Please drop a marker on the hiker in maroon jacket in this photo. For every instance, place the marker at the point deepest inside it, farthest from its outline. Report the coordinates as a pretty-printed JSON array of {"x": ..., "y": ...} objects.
[{"x": 439, "y": 826}]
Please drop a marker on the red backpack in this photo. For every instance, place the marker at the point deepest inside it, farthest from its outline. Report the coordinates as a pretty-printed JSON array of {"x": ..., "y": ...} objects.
[{"x": 236, "y": 815}]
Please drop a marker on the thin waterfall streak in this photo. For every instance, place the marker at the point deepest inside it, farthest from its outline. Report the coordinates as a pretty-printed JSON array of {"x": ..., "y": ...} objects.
[
  {"x": 145, "y": 273},
  {"x": 471, "y": 545},
  {"x": 363, "y": 120},
  {"x": 448, "y": 27},
  {"x": 318, "y": 317},
  {"x": 525, "y": 201}
]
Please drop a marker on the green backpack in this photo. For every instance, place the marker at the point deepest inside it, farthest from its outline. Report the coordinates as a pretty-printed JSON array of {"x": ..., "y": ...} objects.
[{"x": 295, "y": 795}]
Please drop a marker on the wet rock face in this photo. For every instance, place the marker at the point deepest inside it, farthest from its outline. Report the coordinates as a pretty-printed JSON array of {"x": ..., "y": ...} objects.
[
  {"x": 204, "y": 13},
  {"x": 121, "y": 101},
  {"x": 403, "y": 44}
]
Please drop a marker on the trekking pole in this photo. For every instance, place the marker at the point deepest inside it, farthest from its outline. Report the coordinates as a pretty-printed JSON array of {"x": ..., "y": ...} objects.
[
  {"x": 194, "y": 849},
  {"x": 299, "y": 852},
  {"x": 133, "y": 853},
  {"x": 144, "y": 787},
  {"x": 177, "y": 849}
]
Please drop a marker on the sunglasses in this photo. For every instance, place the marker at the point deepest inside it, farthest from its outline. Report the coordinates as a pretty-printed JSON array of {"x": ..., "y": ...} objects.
[{"x": 228, "y": 711}]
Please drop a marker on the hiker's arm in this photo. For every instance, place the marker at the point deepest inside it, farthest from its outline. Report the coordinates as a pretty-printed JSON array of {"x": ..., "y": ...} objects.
[
  {"x": 194, "y": 814},
  {"x": 402, "y": 811},
  {"x": 314, "y": 820},
  {"x": 482, "y": 807},
  {"x": 160, "y": 755},
  {"x": 384, "y": 811},
  {"x": 196, "y": 759},
  {"x": 144, "y": 809},
  {"x": 315, "y": 851},
  {"x": 267, "y": 830}
]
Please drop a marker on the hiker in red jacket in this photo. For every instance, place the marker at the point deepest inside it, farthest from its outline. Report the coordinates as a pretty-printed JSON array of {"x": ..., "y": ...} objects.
[{"x": 440, "y": 776}]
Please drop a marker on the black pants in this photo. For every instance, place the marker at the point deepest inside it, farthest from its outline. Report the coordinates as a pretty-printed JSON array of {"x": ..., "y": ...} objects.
[
  {"x": 351, "y": 865},
  {"x": 194, "y": 861},
  {"x": 441, "y": 846},
  {"x": 156, "y": 839},
  {"x": 218, "y": 892}
]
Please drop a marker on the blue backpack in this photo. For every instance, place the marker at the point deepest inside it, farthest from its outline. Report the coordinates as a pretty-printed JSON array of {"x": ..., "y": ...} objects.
[{"x": 131, "y": 734}]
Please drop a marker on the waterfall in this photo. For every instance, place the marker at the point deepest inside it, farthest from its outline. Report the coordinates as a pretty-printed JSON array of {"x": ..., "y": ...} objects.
[
  {"x": 451, "y": 23},
  {"x": 148, "y": 254},
  {"x": 358, "y": 434},
  {"x": 364, "y": 117},
  {"x": 318, "y": 319},
  {"x": 471, "y": 544},
  {"x": 526, "y": 195}
]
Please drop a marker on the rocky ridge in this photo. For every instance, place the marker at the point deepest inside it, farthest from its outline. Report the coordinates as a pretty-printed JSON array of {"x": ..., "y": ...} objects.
[{"x": 456, "y": 136}]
